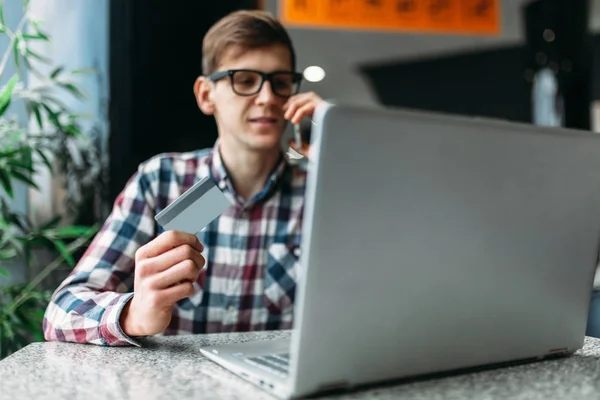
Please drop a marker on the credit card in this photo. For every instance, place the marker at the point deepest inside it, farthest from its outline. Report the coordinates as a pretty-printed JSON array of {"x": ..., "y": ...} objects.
[{"x": 195, "y": 208}]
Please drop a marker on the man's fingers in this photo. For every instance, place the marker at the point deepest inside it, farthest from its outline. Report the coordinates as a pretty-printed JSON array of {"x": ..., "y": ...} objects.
[
  {"x": 166, "y": 241},
  {"x": 184, "y": 271},
  {"x": 158, "y": 264},
  {"x": 304, "y": 111},
  {"x": 294, "y": 105},
  {"x": 175, "y": 293},
  {"x": 298, "y": 99}
]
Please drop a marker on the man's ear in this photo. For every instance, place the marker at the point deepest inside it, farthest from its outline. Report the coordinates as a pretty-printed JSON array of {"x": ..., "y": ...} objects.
[{"x": 203, "y": 92}]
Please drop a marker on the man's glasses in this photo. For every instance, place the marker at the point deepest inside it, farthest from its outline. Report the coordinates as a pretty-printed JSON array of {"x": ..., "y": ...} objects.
[{"x": 248, "y": 82}]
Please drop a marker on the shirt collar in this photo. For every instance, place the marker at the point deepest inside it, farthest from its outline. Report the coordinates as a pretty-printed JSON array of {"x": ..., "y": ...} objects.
[{"x": 221, "y": 177}]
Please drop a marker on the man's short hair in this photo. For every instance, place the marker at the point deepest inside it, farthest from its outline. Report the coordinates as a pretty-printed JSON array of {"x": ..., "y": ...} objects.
[{"x": 249, "y": 29}]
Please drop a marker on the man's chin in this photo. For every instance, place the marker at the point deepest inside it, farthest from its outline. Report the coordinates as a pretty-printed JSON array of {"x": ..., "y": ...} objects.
[
  {"x": 266, "y": 147},
  {"x": 265, "y": 142}
]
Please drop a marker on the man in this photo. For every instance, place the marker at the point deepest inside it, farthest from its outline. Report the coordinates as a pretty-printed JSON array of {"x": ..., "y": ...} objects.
[{"x": 239, "y": 274}]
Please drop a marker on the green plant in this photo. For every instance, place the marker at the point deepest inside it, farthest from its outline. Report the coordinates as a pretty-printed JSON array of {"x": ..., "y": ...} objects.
[{"x": 28, "y": 149}]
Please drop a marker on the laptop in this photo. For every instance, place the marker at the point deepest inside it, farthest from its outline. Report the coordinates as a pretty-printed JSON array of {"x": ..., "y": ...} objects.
[{"x": 433, "y": 244}]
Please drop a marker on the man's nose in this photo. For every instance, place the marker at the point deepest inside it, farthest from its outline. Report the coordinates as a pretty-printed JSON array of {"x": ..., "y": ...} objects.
[{"x": 266, "y": 94}]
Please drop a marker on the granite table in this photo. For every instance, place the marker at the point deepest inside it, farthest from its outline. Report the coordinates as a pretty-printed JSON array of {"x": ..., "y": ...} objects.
[{"x": 173, "y": 368}]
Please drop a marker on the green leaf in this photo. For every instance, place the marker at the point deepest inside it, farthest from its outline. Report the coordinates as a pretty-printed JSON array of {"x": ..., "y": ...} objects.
[
  {"x": 27, "y": 254},
  {"x": 9, "y": 153},
  {"x": 7, "y": 254},
  {"x": 56, "y": 72},
  {"x": 16, "y": 53},
  {"x": 3, "y": 349},
  {"x": 42, "y": 35},
  {"x": 38, "y": 335},
  {"x": 32, "y": 322},
  {"x": 27, "y": 165},
  {"x": 2, "y": 13},
  {"x": 16, "y": 319},
  {"x": 29, "y": 66},
  {"x": 73, "y": 117},
  {"x": 36, "y": 24},
  {"x": 84, "y": 71},
  {"x": 41, "y": 58},
  {"x": 33, "y": 70},
  {"x": 56, "y": 102},
  {"x": 38, "y": 241},
  {"x": 52, "y": 223},
  {"x": 27, "y": 157},
  {"x": 25, "y": 4},
  {"x": 37, "y": 314},
  {"x": 7, "y": 330},
  {"x": 37, "y": 27},
  {"x": 38, "y": 116},
  {"x": 30, "y": 327},
  {"x": 45, "y": 159},
  {"x": 72, "y": 130},
  {"x": 6, "y": 94},
  {"x": 6, "y": 183},
  {"x": 23, "y": 178},
  {"x": 3, "y": 272},
  {"x": 71, "y": 231},
  {"x": 74, "y": 90},
  {"x": 37, "y": 36},
  {"x": 41, "y": 241},
  {"x": 52, "y": 116},
  {"x": 64, "y": 252}
]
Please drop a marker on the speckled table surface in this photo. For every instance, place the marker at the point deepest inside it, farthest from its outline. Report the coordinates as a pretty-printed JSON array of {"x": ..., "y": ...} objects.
[{"x": 173, "y": 368}]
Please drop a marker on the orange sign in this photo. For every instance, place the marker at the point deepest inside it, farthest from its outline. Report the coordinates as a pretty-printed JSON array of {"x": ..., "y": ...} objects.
[{"x": 452, "y": 16}]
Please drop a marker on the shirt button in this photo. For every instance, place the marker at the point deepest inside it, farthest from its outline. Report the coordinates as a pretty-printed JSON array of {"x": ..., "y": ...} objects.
[
  {"x": 231, "y": 309},
  {"x": 297, "y": 252}
]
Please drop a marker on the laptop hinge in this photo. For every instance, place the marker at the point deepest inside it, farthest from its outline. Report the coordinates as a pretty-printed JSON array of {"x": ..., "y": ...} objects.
[
  {"x": 557, "y": 352},
  {"x": 338, "y": 385}
]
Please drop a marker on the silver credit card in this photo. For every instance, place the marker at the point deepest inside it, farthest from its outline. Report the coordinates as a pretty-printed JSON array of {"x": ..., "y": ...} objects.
[{"x": 194, "y": 209}]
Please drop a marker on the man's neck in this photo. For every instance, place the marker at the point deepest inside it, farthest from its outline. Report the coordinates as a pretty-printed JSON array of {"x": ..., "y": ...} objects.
[{"x": 248, "y": 170}]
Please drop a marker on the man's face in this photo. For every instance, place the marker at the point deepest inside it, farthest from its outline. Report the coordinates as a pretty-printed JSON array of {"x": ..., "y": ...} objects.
[{"x": 254, "y": 122}]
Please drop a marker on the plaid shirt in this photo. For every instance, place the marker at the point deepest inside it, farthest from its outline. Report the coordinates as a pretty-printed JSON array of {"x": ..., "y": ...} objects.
[{"x": 251, "y": 254}]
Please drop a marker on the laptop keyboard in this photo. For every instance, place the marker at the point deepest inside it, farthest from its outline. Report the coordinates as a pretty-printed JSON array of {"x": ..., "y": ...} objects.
[{"x": 277, "y": 364}]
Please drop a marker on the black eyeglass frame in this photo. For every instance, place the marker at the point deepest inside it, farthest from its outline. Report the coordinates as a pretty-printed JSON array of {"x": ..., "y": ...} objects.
[{"x": 264, "y": 76}]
